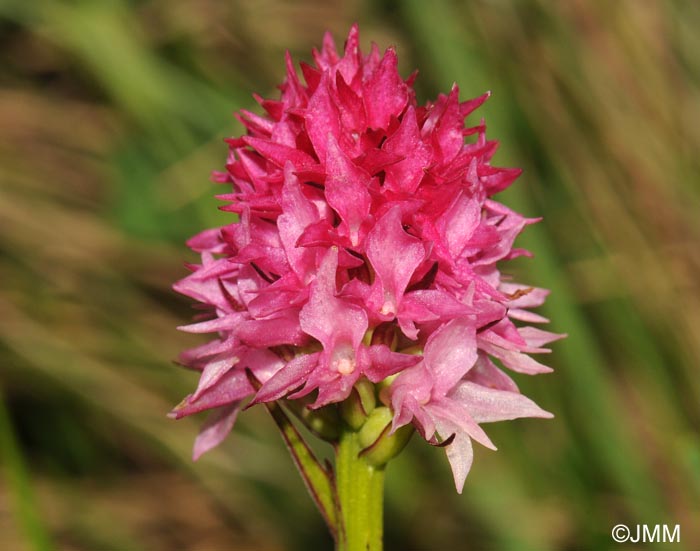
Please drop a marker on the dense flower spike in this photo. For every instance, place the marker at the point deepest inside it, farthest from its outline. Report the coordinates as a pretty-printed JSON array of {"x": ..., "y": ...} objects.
[{"x": 366, "y": 249}]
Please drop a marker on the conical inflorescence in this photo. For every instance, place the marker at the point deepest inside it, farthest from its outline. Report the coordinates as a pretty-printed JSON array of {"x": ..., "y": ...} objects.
[{"x": 365, "y": 251}]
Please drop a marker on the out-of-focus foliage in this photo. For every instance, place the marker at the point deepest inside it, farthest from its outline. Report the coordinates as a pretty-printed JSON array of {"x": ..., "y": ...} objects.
[{"x": 112, "y": 116}]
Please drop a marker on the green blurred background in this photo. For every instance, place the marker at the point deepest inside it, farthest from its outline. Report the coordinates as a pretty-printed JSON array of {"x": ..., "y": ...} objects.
[{"x": 112, "y": 115}]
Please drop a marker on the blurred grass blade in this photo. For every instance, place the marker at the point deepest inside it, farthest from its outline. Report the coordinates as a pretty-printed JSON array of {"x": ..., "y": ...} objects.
[{"x": 19, "y": 484}]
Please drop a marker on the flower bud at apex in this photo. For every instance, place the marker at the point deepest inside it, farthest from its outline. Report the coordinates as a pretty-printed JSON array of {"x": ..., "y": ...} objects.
[
  {"x": 361, "y": 402},
  {"x": 378, "y": 446}
]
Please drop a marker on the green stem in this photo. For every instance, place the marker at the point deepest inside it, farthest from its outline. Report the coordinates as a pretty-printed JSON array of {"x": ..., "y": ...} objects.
[{"x": 360, "y": 488}]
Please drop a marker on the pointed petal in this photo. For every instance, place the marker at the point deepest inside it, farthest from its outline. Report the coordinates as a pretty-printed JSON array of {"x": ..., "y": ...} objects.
[
  {"x": 394, "y": 255},
  {"x": 216, "y": 368},
  {"x": 451, "y": 352},
  {"x": 232, "y": 387},
  {"x": 322, "y": 118},
  {"x": 459, "y": 223},
  {"x": 430, "y": 305},
  {"x": 526, "y": 316},
  {"x": 385, "y": 362},
  {"x": 346, "y": 190},
  {"x": 352, "y": 58},
  {"x": 208, "y": 240},
  {"x": 460, "y": 452},
  {"x": 486, "y": 374},
  {"x": 411, "y": 388},
  {"x": 449, "y": 409},
  {"x": 337, "y": 324},
  {"x": 215, "y": 429},
  {"x": 487, "y": 405},
  {"x": 279, "y": 154},
  {"x": 297, "y": 214},
  {"x": 536, "y": 338},
  {"x": 226, "y": 323},
  {"x": 385, "y": 93},
  {"x": 282, "y": 329},
  {"x": 522, "y": 363},
  {"x": 291, "y": 376},
  {"x": 406, "y": 144}
]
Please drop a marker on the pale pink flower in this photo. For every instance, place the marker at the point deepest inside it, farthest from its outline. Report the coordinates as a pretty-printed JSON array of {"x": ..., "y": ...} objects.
[{"x": 366, "y": 246}]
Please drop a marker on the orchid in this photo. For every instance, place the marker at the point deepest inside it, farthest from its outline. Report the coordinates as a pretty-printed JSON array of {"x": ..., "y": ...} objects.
[{"x": 359, "y": 285}]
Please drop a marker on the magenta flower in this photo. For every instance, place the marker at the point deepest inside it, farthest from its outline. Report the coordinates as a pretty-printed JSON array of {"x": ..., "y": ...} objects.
[{"x": 366, "y": 250}]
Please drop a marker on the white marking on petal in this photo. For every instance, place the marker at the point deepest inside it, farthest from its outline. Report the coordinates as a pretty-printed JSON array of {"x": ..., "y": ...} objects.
[{"x": 343, "y": 360}]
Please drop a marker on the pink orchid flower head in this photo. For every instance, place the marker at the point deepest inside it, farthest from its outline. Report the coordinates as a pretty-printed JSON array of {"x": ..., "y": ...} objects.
[{"x": 365, "y": 248}]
